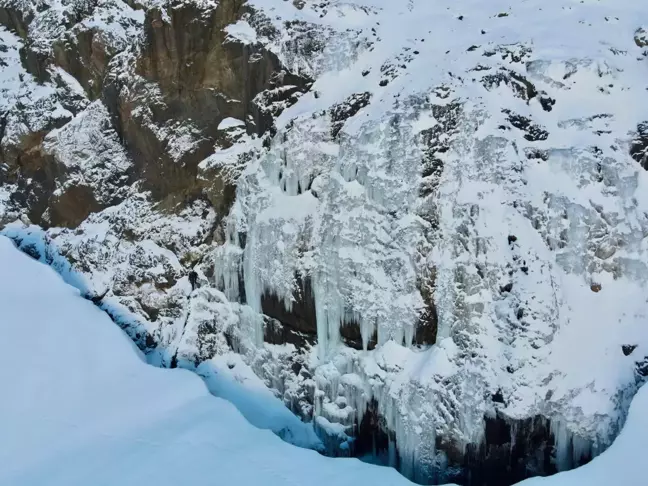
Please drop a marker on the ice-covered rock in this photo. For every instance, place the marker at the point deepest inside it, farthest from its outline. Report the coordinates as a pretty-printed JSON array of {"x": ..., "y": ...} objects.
[{"x": 421, "y": 225}]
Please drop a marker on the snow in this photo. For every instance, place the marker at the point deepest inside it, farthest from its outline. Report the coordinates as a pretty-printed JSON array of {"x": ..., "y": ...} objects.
[
  {"x": 368, "y": 237},
  {"x": 26, "y": 105},
  {"x": 89, "y": 149},
  {"x": 242, "y": 31},
  {"x": 238, "y": 383},
  {"x": 229, "y": 377},
  {"x": 80, "y": 405},
  {"x": 578, "y": 217},
  {"x": 230, "y": 122}
]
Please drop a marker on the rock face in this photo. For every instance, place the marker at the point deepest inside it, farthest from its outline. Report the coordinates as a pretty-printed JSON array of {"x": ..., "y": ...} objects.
[
  {"x": 188, "y": 77},
  {"x": 641, "y": 37},
  {"x": 418, "y": 227},
  {"x": 163, "y": 89}
]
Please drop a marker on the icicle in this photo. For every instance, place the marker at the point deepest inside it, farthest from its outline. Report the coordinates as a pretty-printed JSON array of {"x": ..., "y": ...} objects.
[
  {"x": 367, "y": 329},
  {"x": 251, "y": 279},
  {"x": 227, "y": 270},
  {"x": 393, "y": 454},
  {"x": 570, "y": 450},
  {"x": 329, "y": 311},
  {"x": 252, "y": 324},
  {"x": 581, "y": 450},
  {"x": 228, "y": 259},
  {"x": 409, "y": 336}
]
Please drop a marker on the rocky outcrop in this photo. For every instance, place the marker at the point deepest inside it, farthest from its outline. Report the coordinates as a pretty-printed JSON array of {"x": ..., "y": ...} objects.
[
  {"x": 85, "y": 54},
  {"x": 166, "y": 115},
  {"x": 27, "y": 117},
  {"x": 641, "y": 37},
  {"x": 16, "y": 18},
  {"x": 94, "y": 171},
  {"x": 639, "y": 145},
  {"x": 184, "y": 82}
]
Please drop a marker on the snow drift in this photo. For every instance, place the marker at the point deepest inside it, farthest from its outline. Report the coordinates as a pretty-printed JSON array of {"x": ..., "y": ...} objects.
[{"x": 80, "y": 405}]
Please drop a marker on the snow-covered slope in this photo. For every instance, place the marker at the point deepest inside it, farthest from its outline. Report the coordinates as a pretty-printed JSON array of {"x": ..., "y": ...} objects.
[
  {"x": 80, "y": 405},
  {"x": 421, "y": 224}
]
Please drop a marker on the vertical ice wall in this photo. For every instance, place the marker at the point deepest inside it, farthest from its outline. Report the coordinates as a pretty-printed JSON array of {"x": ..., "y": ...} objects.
[{"x": 339, "y": 213}]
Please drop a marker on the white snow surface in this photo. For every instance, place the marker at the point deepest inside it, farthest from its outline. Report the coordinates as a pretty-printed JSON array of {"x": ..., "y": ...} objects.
[
  {"x": 242, "y": 31},
  {"x": 81, "y": 406}
]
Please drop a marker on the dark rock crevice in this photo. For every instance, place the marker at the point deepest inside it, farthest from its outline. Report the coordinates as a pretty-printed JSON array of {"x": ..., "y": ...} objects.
[
  {"x": 512, "y": 450},
  {"x": 15, "y": 20},
  {"x": 426, "y": 329},
  {"x": 84, "y": 55},
  {"x": 297, "y": 326},
  {"x": 371, "y": 439},
  {"x": 639, "y": 145}
]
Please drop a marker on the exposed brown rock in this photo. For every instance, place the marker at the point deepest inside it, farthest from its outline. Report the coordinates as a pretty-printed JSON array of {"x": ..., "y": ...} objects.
[
  {"x": 85, "y": 55},
  {"x": 185, "y": 78},
  {"x": 15, "y": 20},
  {"x": 189, "y": 76},
  {"x": 32, "y": 171},
  {"x": 426, "y": 329},
  {"x": 72, "y": 207}
]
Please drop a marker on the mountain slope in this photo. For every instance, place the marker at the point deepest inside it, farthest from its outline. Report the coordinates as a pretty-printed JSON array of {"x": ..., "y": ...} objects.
[{"x": 422, "y": 225}]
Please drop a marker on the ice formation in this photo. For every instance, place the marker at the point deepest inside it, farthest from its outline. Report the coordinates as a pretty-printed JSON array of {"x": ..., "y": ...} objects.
[
  {"x": 354, "y": 258},
  {"x": 519, "y": 229}
]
